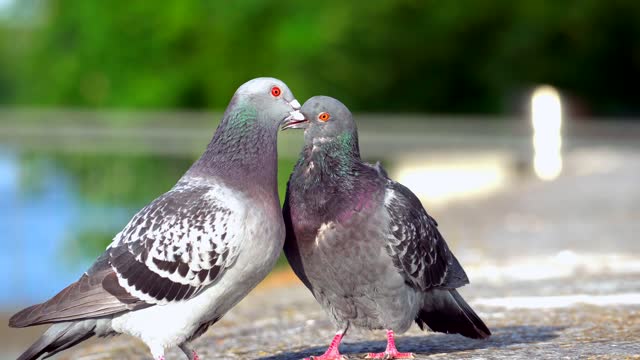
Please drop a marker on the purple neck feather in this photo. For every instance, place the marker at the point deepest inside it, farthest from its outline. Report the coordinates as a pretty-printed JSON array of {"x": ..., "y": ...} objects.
[{"x": 331, "y": 184}]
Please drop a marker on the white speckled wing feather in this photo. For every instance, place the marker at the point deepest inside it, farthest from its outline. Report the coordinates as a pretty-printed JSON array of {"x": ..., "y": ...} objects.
[{"x": 180, "y": 243}]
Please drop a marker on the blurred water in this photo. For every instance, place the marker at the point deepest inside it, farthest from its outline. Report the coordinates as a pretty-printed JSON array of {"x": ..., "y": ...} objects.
[{"x": 43, "y": 214}]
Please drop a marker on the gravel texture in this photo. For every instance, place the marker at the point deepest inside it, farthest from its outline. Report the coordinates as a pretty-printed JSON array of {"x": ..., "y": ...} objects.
[
  {"x": 286, "y": 323},
  {"x": 573, "y": 236}
]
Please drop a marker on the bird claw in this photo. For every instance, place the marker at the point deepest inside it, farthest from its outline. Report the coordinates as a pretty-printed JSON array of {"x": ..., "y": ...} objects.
[
  {"x": 327, "y": 357},
  {"x": 390, "y": 355}
]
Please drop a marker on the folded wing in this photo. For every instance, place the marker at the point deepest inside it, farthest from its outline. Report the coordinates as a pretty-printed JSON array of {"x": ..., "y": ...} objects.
[
  {"x": 416, "y": 246},
  {"x": 170, "y": 251}
]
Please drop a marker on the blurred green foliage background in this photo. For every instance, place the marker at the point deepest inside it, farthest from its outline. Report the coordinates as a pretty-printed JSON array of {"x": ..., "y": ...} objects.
[{"x": 389, "y": 55}]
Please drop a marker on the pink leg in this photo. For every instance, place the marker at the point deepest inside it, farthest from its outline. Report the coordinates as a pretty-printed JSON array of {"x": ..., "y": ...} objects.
[
  {"x": 391, "y": 352},
  {"x": 332, "y": 352},
  {"x": 191, "y": 354}
]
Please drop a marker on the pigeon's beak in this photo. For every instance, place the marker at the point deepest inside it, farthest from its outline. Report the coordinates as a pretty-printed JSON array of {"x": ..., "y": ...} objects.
[{"x": 295, "y": 120}]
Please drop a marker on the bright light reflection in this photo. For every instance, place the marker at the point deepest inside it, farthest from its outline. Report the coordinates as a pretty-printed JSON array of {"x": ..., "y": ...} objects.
[
  {"x": 559, "y": 301},
  {"x": 564, "y": 264},
  {"x": 449, "y": 179},
  {"x": 546, "y": 119}
]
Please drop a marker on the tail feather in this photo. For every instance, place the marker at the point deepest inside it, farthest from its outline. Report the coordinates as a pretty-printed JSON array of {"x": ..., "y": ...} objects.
[
  {"x": 23, "y": 318},
  {"x": 59, "y": 337},
  {"x": 446, "y": 311}
]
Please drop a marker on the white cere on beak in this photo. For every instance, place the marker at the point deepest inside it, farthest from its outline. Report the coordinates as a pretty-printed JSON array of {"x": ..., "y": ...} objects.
[
  {"x": 295, "y": 104},
  {"x": 296, "y": 115}
]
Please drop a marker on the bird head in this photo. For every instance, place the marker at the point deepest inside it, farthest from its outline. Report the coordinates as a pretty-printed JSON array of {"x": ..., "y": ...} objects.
[
  {"x": 325, "y": 118},
  {"x": 274, "y": 97}
]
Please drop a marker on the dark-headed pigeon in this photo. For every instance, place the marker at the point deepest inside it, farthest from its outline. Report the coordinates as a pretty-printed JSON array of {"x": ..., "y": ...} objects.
[
  {"x": 363, "y": 244},
  {"x": 190, "y": 255}
]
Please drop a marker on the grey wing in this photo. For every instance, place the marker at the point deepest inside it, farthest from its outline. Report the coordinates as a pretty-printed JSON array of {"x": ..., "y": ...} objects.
[
  {"x": 172, "y": 249},
  {"x": 85, "y": 298},
  {"x": 180, "y": 244},
  {"x": 415, "y": 244}
]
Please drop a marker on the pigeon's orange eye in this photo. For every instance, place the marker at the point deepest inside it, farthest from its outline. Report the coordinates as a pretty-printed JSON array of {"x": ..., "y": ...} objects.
[
  {"x": 275, "y": 91},
  {"x": 324, "y": 116}
]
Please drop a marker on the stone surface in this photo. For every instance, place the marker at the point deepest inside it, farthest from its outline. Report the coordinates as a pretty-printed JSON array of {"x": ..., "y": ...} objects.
[
  {"x": 555, "y": 271},
  {"x": 286, "y": 323}
]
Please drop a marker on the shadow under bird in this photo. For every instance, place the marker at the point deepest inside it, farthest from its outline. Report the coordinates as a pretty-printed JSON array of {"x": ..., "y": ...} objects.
[
  {"x": 364, "y": 244},
  {"x": 190, "y": 255}
]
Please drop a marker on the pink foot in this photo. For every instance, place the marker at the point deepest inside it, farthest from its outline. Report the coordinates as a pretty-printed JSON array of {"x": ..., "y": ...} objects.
[
  {"x": 391, "y": 352},
  {"x": 332, "y": 352},
  {"x": 327, "y": 357},
  {"x": 390, "y": 355},
  {"x": 195, "y": 356}
]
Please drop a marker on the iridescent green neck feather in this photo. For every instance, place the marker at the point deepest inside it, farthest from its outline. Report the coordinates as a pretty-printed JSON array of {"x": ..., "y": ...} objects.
[
  {"x": 243, "y": 148},
  {"x": 344, "y": 150},
  {"x": 330, "y": 160}
]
